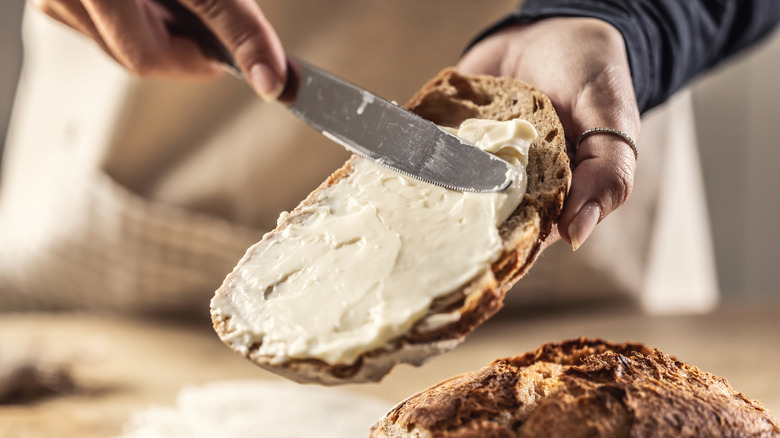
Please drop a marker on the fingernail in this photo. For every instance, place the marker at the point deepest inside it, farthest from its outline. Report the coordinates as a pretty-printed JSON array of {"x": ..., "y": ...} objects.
[
  {"x": 584, "y": 224},
  {"x": 266, "y": 82}
]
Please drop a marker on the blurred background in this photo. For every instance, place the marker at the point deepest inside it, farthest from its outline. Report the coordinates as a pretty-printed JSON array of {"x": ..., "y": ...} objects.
[
  {"x": 11, "y": 55},
  {"x": 188, "y": 222}
]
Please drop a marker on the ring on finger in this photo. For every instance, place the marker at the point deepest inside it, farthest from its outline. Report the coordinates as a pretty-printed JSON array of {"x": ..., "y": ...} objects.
[{"x": 610, "y": 131}]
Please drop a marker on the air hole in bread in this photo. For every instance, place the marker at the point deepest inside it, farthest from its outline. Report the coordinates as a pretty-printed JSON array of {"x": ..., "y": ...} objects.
[
  {"x": 439, "y": 108},
  {"x": 551, "y": 135},
  {"x": 465, "y": 90},
  {"x": 538, "y": 103}
]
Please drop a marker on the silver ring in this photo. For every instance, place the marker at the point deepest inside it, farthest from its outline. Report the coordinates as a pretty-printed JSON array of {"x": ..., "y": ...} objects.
[{"x": 612, "y": 131}]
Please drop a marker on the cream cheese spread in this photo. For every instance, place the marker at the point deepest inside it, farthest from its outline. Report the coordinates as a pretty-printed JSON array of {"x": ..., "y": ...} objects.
[{"x": 362, "y": 265}]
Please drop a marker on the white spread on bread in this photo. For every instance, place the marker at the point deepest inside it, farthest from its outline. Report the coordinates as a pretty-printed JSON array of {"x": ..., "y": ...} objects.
[{"x": 363, "y": 264}]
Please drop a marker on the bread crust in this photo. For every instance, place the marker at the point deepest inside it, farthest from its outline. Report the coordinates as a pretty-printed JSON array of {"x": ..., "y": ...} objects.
[
  {"x": 581, "y": 387},
  {"x": 447, "y": 100}
]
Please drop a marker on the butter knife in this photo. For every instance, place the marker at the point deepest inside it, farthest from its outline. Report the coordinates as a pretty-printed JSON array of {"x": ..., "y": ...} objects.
[{"x": 365, "y": 123}]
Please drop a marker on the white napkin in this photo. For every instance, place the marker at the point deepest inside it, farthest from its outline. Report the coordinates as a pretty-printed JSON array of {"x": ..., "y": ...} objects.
[{"x": 257, "y": 408}]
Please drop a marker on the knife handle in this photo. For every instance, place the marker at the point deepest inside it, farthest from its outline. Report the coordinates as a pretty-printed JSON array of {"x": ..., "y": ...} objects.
[{"x": 184, "y": 23}]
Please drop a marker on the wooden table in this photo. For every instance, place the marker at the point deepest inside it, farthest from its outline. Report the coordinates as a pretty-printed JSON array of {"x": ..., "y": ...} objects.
[{"x": 123, "y": 364}]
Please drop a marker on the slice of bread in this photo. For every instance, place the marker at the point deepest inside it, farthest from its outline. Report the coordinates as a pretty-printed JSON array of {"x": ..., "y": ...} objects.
[
  {"x": 447, "y": 100},
  {"x": 581, "y": 388}
]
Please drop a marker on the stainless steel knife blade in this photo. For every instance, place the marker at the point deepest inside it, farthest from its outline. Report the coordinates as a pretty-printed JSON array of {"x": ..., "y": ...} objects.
[
  {"x": 365, "y": 123},
  {"x": 373, "y": 127}
]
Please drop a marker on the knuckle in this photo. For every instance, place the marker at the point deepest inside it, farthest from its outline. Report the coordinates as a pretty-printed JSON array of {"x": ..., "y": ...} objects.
[
  {"x": 621, "y": 183},
  {"x": 601, "y": 32},
  {"x": 244, "y": 42},
  {"x": 208, "y": 9},
  {"x": 244, "y": 36}
]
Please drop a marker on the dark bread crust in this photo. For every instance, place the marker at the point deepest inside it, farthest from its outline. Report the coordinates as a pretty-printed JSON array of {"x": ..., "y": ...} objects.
[
  {"x": 448, "y": 99},
  {"x": 578, "y": 388}
]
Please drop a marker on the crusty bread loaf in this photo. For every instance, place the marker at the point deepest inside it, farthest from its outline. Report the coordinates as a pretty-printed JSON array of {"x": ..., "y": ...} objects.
[
  {"x": 581, "y": 388},
  {"x": 447, "y": 100}
]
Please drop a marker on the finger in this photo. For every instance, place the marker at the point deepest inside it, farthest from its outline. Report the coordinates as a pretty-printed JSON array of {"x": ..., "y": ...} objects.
[
  {"x": 242, "y": 27},
  {"x": 135, "y": 33},
  {"x": 602, "y": 181},
  {"x": 604, "y": 164}
]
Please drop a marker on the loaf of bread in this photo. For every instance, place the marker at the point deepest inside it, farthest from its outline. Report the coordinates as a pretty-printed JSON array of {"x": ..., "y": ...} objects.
[
  {"x": 581, "y": 388},
  {"x": 447, "y": 100}
]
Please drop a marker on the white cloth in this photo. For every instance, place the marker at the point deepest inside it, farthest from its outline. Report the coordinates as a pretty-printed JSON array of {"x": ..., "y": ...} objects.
[{"x": 259, "y": 408}]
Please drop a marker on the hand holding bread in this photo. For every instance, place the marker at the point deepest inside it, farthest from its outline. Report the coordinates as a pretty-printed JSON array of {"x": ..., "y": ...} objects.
[{"x": 581, "y": 65}]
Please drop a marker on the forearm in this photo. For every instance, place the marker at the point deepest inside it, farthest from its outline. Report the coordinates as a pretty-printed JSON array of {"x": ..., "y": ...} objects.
[{"x": 668, "y": 42}]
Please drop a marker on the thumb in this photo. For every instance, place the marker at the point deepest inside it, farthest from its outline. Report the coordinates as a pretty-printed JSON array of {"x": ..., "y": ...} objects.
[
  {"x": 602, "y": 181},
  {"x": 245, "y": 31}
]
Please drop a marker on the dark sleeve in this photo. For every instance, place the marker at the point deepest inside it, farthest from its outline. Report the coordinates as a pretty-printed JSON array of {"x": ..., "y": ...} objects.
[{"x": 668, "y": 41}]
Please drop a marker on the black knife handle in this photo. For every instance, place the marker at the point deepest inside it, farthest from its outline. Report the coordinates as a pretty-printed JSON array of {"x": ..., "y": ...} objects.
[{"x": 183, "y": 23}]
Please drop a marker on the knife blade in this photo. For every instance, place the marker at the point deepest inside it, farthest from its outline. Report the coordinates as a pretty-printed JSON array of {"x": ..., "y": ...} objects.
[
  {"x": 373, "y": 127},
  {"x": 365, "y": 123}
]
